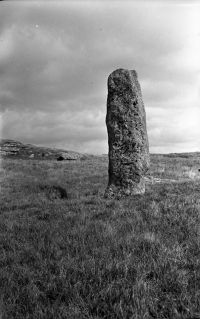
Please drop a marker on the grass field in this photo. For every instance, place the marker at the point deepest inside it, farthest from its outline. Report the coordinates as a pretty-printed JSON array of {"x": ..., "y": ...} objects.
[{"x": 66, "y": 252}]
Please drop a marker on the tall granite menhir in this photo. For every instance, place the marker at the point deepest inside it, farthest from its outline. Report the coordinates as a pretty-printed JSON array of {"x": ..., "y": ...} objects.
[{"x": 127, "y": 135}]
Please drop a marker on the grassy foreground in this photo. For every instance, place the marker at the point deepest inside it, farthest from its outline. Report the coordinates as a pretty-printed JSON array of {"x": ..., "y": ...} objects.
[{"x": 66, "y": 252}]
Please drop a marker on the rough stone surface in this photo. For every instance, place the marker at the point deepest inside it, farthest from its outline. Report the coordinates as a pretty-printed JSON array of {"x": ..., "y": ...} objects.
[{"x": 127, "y": 135}]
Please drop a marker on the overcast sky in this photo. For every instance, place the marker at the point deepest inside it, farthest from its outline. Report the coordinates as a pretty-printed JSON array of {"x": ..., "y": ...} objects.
[{"x": 55, "y": 58}]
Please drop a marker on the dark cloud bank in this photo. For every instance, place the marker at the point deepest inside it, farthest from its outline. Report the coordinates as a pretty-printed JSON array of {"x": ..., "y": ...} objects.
[{"x": 55, "y": 58}]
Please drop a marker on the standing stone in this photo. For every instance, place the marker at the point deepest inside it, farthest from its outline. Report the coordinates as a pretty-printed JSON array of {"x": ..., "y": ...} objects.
[{"x": 127, "y": 135}]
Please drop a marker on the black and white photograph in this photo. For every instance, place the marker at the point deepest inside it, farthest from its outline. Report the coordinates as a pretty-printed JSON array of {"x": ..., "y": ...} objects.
[{"x": 100, "y": 159}]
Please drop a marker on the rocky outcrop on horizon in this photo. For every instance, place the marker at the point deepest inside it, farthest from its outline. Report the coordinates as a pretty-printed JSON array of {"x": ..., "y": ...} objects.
[{"x": 15, "y": 149}]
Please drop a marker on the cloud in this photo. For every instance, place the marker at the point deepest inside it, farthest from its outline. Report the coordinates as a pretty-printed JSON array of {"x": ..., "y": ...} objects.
[
  {"x": 174, "y": 129},
  {"x": 55, "y": 58}
]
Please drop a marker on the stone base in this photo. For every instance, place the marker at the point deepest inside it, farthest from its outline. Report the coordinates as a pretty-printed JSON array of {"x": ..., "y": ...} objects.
[{"x": 113, "y": 191}]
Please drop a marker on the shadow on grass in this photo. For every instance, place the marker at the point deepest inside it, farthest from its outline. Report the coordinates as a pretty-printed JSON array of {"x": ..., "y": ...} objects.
[{"x": 54, "y": 192}]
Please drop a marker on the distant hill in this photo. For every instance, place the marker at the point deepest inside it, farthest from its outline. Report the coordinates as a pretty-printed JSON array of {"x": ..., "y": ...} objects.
[
  {"x": 180, "y": 155},
  {"x": 15, "y": 149}
]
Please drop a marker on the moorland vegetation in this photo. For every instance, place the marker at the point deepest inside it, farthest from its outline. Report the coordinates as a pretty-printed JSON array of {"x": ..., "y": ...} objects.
[{"x": 67, "y": 252}]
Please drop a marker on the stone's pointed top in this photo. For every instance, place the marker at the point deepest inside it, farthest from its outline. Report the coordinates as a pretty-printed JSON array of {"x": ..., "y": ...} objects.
[
  {"x": 121, "y": 70},
  {"x": 120, "y": 80}
]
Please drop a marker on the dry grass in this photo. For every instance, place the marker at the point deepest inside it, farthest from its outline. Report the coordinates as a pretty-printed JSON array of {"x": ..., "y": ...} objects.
[{"x": 66, "y": 252}]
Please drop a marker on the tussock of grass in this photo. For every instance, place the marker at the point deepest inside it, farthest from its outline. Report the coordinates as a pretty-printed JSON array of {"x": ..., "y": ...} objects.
[{"x": 66, "y": 252}]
